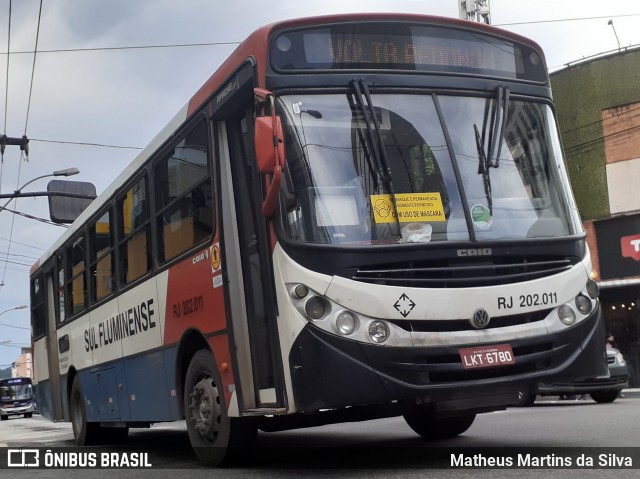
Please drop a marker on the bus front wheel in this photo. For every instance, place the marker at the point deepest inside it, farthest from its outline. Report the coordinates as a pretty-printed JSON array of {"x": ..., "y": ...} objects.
[
  {"x": 430, "y": 427},
  {"x": 604, "y": 397},
  {"x": 84, "y": 432},
  {"x": 211, "y": 431}
]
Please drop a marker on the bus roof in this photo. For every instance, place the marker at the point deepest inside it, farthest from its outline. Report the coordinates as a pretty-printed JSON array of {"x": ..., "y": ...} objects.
[{"x": 255, "y": 46}]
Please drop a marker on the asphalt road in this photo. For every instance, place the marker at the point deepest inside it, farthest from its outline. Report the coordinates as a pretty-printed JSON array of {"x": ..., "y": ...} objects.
[{"x": 382, "y": 448}]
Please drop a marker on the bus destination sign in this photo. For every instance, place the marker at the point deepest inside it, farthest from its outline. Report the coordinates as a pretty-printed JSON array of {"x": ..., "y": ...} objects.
[{"x": 404, "y": 47}]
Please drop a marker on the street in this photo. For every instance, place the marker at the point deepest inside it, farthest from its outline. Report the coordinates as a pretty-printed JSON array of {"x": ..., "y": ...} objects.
[{"x": 381, "y": 448}]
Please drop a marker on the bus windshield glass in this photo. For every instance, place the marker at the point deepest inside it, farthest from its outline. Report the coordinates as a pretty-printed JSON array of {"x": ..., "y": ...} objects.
[
  {"x": 381, "y": 171},
  {"x": 15, "y": 392}
]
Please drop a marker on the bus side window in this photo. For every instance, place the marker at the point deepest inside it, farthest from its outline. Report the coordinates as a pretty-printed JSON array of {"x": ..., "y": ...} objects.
[
  {"x": 38, "y": 307},
  {"x": 61, "y": 284},
  {"x": 134, "y": 234},
  {"x": 77, "y": 285},
  {"x": 183, "y": 195},
  {"x": 101, "y": 258}
]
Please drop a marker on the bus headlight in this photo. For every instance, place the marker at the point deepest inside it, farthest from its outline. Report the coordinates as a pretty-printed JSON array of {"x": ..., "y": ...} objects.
[
  {"x": 346, "y": 322},
  {"x": 593, "y": 289},
  {"x": 315, "y": 307},
  {"x": 583, "y": 304},
  {"x": 378, "y": 331},
  {"x": 566, "y": 314}
]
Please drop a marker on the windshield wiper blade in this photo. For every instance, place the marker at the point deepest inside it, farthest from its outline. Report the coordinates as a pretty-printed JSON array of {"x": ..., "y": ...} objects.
[
  {"x": 483, "y": 169},
  {"x": 383, "y": 171},
  {"x": 495, "y": 135},
  {"x": 497, "y": 131}
]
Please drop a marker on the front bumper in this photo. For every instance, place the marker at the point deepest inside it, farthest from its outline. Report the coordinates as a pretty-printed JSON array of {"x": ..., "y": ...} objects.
[
  {"x": 329, "y": 371},
  {"x": 584, "y": 386},
  {"x": 12, "y": 411}
]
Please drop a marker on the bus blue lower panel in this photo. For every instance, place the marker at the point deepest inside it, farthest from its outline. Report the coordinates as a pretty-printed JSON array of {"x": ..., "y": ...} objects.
[
  {"x": 44, "y": 401},
  {"x": 329, "y": 371},
  {"x": 138, "y": 389}
]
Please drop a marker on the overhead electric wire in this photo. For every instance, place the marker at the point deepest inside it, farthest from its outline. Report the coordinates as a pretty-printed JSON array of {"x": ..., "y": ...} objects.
[
  {"x": 22, "y": 153},
  {"x": 6, "y": 93},
  {"x": 33, "y": 69},
  {"x": 17, "y": 254},
  {"x": 81, "y": 143},
  {"x": 24, "y": 244},
  {"x": 6, "y": 86},
  {"x": 126, "y": 47},
  {"x": 208, "y": 44},
  {"x": 533, "y": 22},
  {"x": 15, "y": 262}
]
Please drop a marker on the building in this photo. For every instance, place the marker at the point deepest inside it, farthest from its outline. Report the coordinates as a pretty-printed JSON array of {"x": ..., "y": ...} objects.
[
  {"x": 22, "y": 368},
  {"x": 598, "y": 109}
]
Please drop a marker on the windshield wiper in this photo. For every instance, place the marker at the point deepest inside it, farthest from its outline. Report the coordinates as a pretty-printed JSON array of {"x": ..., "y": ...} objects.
[
  {"x": 489, "y": 156},
  {"x": 375, "y": 140}
]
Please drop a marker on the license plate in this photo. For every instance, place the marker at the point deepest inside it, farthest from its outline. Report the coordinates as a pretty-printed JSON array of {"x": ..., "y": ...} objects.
[{"x": 487, "y": 356}]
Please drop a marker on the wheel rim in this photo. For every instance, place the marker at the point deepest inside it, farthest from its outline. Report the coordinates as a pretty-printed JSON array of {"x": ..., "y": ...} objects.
[{"x": 205, "y": 409}]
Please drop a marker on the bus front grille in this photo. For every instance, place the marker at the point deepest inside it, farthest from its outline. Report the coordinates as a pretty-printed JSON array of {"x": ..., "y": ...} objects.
[
  {"x": 490, "y": 272},
  {"x": 451, "y": 325}
]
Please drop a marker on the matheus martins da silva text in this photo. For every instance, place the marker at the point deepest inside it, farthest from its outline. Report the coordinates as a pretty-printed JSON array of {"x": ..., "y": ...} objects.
[{"x": 546, "y": 461}]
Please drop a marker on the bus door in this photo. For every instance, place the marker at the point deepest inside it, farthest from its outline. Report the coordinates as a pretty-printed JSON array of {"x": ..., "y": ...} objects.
[
  {"x": 52, "y": 363},
  {"x": 247, "y": 246}
]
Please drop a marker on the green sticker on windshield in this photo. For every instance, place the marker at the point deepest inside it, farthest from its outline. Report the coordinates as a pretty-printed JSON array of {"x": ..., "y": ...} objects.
[{"x": 481, "y": 216}]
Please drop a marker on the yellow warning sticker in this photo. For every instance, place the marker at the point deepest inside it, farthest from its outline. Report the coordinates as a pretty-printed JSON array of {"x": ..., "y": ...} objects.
[
  {"x": 216, "y": 258},
  {"x": 410, "y": 207}
]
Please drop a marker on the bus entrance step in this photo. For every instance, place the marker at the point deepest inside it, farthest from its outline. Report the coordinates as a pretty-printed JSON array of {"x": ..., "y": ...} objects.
[{"x": 265, "y": 411}]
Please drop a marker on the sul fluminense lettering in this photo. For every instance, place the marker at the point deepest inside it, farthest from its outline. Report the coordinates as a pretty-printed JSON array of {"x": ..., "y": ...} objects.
[{"x": 134, "y": 320}]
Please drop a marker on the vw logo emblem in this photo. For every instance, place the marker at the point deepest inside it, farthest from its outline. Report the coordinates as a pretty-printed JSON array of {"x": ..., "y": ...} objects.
[{"x": 480, "y": 319}]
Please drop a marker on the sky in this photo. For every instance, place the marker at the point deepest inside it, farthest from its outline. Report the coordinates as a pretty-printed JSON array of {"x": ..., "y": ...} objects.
[{"x": 86, "y": 90}]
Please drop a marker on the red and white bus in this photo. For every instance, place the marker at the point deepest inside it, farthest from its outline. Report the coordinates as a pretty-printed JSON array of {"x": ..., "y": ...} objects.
[{"x": 356, "y": 216}]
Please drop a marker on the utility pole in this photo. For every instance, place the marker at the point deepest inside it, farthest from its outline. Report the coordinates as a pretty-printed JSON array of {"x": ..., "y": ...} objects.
[{"x": 475, "y": 11}]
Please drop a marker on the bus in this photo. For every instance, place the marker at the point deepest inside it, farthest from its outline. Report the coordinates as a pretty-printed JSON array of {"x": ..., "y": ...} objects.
[
  {"x": 16, "y": 397},
  {"x": 356, "y": 216}
]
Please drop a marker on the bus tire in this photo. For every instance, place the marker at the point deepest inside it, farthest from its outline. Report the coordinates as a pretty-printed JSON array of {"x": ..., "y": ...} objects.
[
  {"x": 85, "y": 433},
  {"x": 430, "y": 427},
  {"x": 29, "y": 414},
  {"x": 525, "y": 399},
  {"x": 211, "y": 431},
  {"x": 4, "y": 417},
  {"x": 603, "y": 397}
]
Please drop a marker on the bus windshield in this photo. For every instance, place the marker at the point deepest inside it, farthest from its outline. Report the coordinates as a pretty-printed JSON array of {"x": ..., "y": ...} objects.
[
  {"x": 16, "y": 392},
  {"x": 381, "y": 171}
]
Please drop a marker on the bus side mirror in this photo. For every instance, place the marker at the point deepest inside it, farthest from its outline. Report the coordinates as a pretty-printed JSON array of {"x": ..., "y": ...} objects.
[
  {"x": 269, "y": 143},
  {"x": 67, "y": 199},
  {"x": 269, "y": 139}
]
